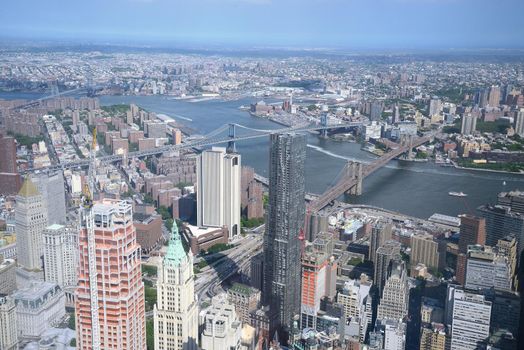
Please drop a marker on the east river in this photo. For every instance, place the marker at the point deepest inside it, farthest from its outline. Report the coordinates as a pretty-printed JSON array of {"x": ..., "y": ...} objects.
[{"x": 418, "y": 189}]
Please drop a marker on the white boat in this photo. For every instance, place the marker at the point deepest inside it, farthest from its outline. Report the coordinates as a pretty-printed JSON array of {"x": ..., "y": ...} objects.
[
  {"x": 457, "y": 194},
  {"x": 503, "y": 183}
]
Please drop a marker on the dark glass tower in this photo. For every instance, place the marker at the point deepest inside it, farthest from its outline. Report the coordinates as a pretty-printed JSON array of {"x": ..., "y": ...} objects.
[{"x": 285, "y": 219}]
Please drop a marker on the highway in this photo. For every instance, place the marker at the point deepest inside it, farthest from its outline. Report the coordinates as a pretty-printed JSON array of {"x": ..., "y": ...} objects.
[{"x": 208, "y": 281}]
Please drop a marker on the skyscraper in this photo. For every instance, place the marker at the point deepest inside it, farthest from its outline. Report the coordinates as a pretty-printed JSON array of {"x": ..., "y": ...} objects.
[
  {"x": 51, "y": 186},
  {"x": 469, "y": 124},
  {"x": 385, "y": 254},
  {"x": 395, "y": 296},
  {"x": 218, "y": 190},
  {"x": 61, "y": 255},
  {"x": 380, "y": 234},
  {"x": 285, "y": 219},
  {"x": 176, "y": 311},
  {"x": 109, "y": 308},
  {"x": 10, "y": 180},
  {"x": 472, "y": 231},
  {"x": 30, "y": 221}
]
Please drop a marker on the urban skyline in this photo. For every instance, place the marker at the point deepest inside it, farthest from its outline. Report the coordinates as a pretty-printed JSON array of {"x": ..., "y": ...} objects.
[{"x": 261, "y": 175}]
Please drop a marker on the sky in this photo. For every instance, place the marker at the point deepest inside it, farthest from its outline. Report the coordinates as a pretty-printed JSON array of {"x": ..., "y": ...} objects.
[{"x": 358, "y": 24}]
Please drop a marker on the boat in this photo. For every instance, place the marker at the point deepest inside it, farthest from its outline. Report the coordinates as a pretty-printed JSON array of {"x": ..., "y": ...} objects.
[
  {"x": 457, "y": 194},
  {"x": 503, "y": 183}
]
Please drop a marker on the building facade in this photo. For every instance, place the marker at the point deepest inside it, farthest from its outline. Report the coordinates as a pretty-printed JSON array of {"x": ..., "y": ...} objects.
[
  {"x": 395, "y": 296},
  {"x": 471, "y": 315},
  {"x": 61, "y": 255},
  {"x": 176, "y": 310},
  {"x": 51, "y": 186},
  {"x": 7, "y": 275},
  {"x": 30, "y": 222},
  {"x": 38, "y": 307},
  {"x": 285, "y": 220},
  {"x": 8, "y": 324},
  {"x": 113, "y": 315},
  {"x": 221, "y": 329},
  {"x": 218, "y": 190}
]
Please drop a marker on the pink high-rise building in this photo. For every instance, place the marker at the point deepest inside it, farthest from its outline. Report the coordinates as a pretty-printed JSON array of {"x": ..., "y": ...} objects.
[{"x": 110, "y": 310}]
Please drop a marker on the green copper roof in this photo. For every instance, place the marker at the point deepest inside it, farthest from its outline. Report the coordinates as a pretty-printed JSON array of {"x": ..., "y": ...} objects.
[{"x": 175, "y": 250}]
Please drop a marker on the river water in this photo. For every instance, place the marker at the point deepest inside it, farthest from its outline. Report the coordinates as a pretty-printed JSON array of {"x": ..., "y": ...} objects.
[{"x": 418, "y": 189}]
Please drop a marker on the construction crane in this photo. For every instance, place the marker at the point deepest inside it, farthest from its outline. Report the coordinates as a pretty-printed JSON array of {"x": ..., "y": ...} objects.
[{"x": 89, "y": 223}]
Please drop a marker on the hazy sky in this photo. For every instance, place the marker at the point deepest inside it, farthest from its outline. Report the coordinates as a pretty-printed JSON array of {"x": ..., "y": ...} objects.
[{"x": 294, "y": 23}]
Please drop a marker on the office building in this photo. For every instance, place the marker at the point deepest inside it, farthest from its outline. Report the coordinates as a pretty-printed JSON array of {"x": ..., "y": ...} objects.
[
  {"x": 285, "y": 220},
  {"x": 470, "y": 318},
  {"x": 469, "y": 124},
  {"x": 380, "y": 234},
  {"x": 61, "y": 255},
  {"x": 427, "y": 250},
  {"x": 472, "y": 231},
  {"x": 433, "y": 337},
  {"x": 38, "y": 308},
  {"x": 51, "y": 187},
  {"x": 114, "y": 315},
  {"x": 318, "y": 279},
  {"x": 395, "y": 296},
  {"x": 7, "y": 275},
  {"x": 519, "y": 123},
  {"x": 221, "y": 328},
  {"x": 501, "y": 221},
  {"x": 245, "y": 299},
  {"x": 30, "y": 222},
  {"x": 487, "y": 269},
  {"x": 357, "y": 304},
  {"x": 385, "y": 254},
  {"x": 176, "y": 310},
  {"x": 218, "y": 190},
  {"x": 8, "y": 324}
]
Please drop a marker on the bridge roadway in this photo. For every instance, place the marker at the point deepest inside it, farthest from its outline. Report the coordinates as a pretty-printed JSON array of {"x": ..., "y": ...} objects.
[
  {"x": 348, "y": 182},
  {"x": 203, "y": 142}
]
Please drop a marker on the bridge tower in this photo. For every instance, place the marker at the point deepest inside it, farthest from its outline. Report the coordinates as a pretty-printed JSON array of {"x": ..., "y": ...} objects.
[
  {"x": 354, "y": 171},
  {"x": 323, "y": 122},
  {"x": 231, "y": 145}
]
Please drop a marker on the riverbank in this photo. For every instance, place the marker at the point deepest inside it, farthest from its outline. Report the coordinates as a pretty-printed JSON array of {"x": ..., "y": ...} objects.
[{"x": 456, "y": 166}]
